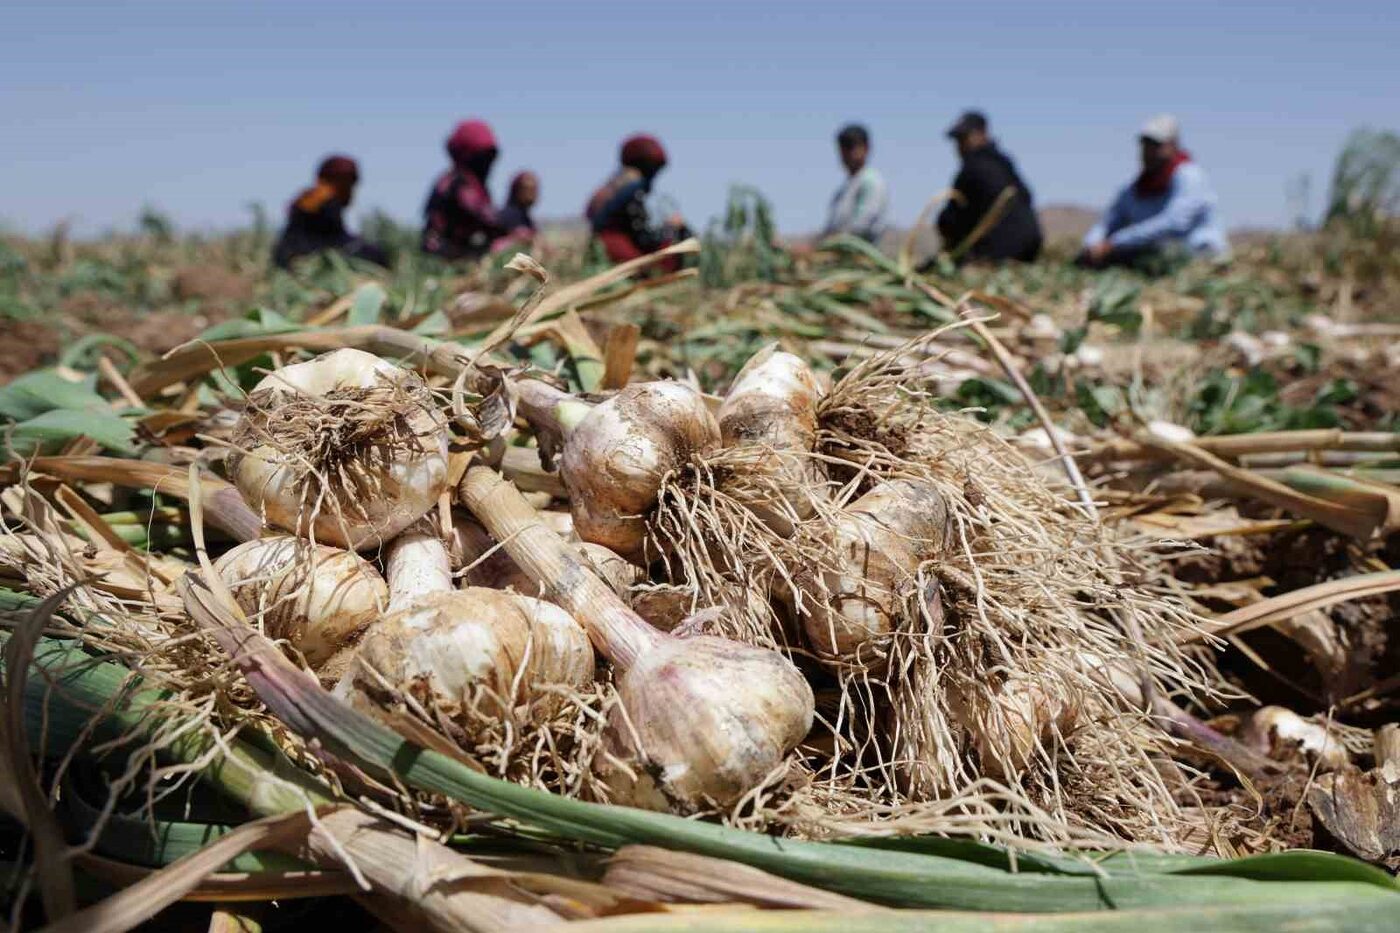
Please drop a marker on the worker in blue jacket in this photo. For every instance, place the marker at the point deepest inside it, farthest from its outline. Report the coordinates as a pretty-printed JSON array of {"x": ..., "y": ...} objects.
[{"x": 1170, "y": 208}]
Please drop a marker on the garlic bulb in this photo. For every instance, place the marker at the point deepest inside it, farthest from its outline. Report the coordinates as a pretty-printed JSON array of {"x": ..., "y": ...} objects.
[
  {"x": 615, "y": 457},
  {"x": 701, "y": 720},
  {"x": 1276, "y": 731},
  {"x": 347, "y": 448},
  {"x": 1023, "y": 714},
  {"x": 770, "y": 414},
  {"x": 468, "y": 653},
  {"x": 856, "y": 602},
  {"x": 316, "y": 597}
]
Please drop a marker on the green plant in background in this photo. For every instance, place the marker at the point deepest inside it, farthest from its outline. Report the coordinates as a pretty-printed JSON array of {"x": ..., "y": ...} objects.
[{"x": 742, "y": 244}]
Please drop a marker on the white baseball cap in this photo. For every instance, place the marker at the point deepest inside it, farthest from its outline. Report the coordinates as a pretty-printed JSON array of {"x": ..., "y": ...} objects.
[{"x": 1162, "y": 128}]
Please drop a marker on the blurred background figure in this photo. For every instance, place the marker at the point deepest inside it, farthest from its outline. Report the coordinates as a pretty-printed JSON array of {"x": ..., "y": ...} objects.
[
  {"x": 515, "y": 215},
  {"x": 987, "y": 182},
  {"x": 459, "y": 221},
  {"x": 316, "y": 219},
  {"x": 617, "y": 211},
  {"x": 860, "y": 204},
  {"x": 1169, "y": 210}
]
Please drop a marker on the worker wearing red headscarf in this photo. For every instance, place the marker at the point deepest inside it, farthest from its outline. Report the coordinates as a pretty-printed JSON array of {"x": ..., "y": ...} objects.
[
  {"x": 316, "y": 219},
  {"x": 459, "y": 221},
  {"x": 617, "y": 212}
]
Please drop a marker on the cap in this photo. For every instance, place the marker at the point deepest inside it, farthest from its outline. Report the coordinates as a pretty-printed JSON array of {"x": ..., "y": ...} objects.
[
  {"x": 1162, "y": 128},
  {"x": 970, "y": 120}
]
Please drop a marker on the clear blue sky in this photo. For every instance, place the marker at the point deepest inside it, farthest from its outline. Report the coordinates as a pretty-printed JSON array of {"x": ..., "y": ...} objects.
[{"x": 199, "y": 107}]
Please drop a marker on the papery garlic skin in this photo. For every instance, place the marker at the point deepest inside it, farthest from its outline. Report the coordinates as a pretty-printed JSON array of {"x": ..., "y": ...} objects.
[
  {"x": 1023, "y": 714},
  {"x": 770, "y": 414},
  {"x": 316, "y": 597},
  {"x": 876, "y": 546},
  {"x": 473, "y": 655},
  {"x": 703, "y": 721},
  {"x": 615, "y": 458},
  {"x": 357, "y": 503},
  {"x": 469, "y": 650},
  {"x": 1272, "y": 730}
]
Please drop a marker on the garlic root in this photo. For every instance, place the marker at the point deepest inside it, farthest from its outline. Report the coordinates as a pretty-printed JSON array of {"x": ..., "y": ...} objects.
[{"x": 346, "y": 447}]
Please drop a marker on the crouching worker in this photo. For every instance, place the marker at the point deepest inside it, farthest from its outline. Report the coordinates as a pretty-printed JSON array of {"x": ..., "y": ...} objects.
[
  {"x": 617, "y": 212},
  {"x": 316, "y": 219},
  {"x": 459, "y": 220},
  {"x": 990, "y": 200},
  {"x": 515, "y": 216},
  {"x": 1167, "y": 214}
]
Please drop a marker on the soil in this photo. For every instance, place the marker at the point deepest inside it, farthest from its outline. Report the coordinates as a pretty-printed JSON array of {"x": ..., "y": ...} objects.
[{"x": 25, "y": 345}]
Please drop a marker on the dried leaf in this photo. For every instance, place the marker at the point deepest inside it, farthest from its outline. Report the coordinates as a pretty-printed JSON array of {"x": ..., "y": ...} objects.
[{"x": 1362, "y": 811}]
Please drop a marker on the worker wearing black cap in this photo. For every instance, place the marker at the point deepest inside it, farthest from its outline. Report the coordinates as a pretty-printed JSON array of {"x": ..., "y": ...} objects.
[{"x": 990, "y": 214}]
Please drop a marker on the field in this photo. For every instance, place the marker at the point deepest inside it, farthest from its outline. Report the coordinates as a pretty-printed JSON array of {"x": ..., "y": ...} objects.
[{"x": 1190, "y": 479}]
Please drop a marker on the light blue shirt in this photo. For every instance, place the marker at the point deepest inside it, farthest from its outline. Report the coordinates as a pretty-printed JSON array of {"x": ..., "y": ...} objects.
[
  {"x": 1186, "y": 213},
  {"x": 859, "y": 206}
]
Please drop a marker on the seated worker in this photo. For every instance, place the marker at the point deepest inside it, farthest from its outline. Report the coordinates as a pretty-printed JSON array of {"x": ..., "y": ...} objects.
[
  {"x": 1168, "y": 209},
  {"x": 617, "y": 211},
  {"x": 988, "y": 181},
  {"x": 316, "y": 219},
  {"x": 459, "y": 221},
  {"x": 524, "y": 192},
  {"x": 860, "y": 204}
]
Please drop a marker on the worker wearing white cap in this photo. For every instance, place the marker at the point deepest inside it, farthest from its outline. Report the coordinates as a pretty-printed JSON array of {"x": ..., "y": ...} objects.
[{"x": 1169, "y": 207}]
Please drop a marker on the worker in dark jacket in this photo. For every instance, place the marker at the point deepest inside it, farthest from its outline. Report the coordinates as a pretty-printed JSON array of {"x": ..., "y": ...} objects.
[
  {"x": 316, "y": 219},
  {"x": 988, "y": 181}
]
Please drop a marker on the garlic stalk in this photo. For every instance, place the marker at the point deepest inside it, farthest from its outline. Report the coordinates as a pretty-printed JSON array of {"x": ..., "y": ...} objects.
[
  {"x": 616, "y": 453},
  {"x": 316, "y": 597},
  {"x": 465, "y": 653},
  {"x": 701, "y": 720},
  {"x": 472, "y": 549},
  {"x": 346, "y": 447}
]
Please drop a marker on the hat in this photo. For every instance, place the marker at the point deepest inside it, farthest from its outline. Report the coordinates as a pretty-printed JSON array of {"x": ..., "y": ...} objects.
[
  {"x": 970, "y": 120},
  {"x": 1162, "y": 128}
]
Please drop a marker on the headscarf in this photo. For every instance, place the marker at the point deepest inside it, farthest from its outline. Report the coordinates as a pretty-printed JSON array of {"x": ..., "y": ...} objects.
[
  {"x": 338, "y": 170},
  {"x": 472, "y": 146},
  {"x": 1158, "y": 180},
  {"x": 643, "y": 153}
]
